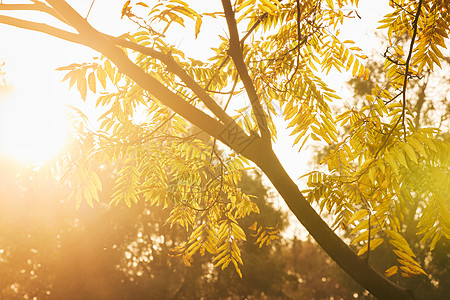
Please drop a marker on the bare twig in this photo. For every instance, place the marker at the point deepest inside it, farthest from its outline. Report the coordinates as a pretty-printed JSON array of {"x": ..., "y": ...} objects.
[
  {"x": 408, "y": 59},
  {"x": 89, "y": 11}
]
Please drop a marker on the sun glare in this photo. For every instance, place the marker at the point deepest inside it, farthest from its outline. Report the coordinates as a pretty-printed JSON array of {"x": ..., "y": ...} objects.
[{"x": 32, "y": 128}]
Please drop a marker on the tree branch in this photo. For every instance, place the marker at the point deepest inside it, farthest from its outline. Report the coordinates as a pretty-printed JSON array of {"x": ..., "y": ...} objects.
[
  {"x": 36, "y": 6},
  {"x": 102, "y": 44},
  {"x": 176, "y": 69},
  {"x": 241, "y": 42},
  {"x": 235, "y": 51},
  {"x": 44, "y": 28},
  {"x": 229, "y": 133},
  {"x": 333, "y": 245},
  {"x": 167, "y": 59}
]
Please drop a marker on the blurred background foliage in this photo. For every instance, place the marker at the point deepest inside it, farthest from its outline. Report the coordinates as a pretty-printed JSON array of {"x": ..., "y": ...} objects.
[{"x": 49, "y": 250}]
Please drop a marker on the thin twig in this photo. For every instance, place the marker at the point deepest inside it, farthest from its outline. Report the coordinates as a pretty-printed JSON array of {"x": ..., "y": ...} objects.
[
  {"x": 368, "y": 240},
  {"x": 227, "y": 57},
  {"x": 89, "y": 11},
  {"x": 408, "y": 59}
]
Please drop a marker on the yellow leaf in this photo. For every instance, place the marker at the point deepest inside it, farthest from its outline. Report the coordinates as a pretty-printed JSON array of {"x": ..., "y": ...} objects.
[
  {"x": 436, "y": 238},
  {"x": 142, "y": 4},
  {"x": 237, "y": 231},
  {"x": 391, "y": 271},
  {"x": 357, "y": 216},
  {"x": 193, "y": 248},
  {"x": 263, "y": 241},
  {"x": 74, "y": 77},
  {"x": 109, "y": 70},
  {"x": 187, "y": 260},
  {"x": 403, "y": 255},
  {"x": 224, "y": 259},
  {"x": 260, "y": 238},
  {"x": 198, "y": 24},
  {"x": 197, "y": 232},
  {"x": 375, "y": 243},
  {"x": 97, "y": 182},
  {"x": 117, "y": 78},
  {"x": 363, "y": 250},
  {"x": 398, "y": 154},
  {"x": 362, "y": 225},
  {"x": 210, "y": 248},
  {"x": 244, "y": 4},
  {"x": 82, "y": 87},
  {"x": 361, "y": 71},
  {"x": 355, "y": 68},
  {"x": 372, "y": 174},
  {"x": 125, "y": 8},
  {"x": 391, "y": 161},
  {"x": 362, "y": 237},
  {"x": 268, "y": 7},
  {"x": 409, "y": 151},
  {"x": 101, "y": 75},
  {"x": 417, "y": 145},
  {"x": 330, "y": 4},
  {"x": 253, "y": 227},
  {"x": 366, "y": 75},
  {"x": 92, "y": 82},
  {"x": 238, "y": 270}
]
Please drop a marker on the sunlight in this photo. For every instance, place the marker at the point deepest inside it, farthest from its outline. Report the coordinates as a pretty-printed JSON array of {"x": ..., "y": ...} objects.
[{"x": 33, "y": 128}]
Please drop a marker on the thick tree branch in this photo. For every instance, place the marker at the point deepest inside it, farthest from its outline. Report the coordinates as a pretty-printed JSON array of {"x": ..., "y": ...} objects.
[
  {"x": 176, "y": 69},
  {"x": 167, "y": 59},
  {"x": 230, "y": 133},
  {"x": 102, "y": 44},
  {"x": 36, "y": 6},
  {"x": 334, "y": 246},
  {"x": 44, "y": 28},
  {"x": 235, "y": 51}
]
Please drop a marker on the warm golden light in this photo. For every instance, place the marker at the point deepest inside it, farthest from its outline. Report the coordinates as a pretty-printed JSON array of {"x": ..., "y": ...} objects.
[{"x": 32, "y": 129}]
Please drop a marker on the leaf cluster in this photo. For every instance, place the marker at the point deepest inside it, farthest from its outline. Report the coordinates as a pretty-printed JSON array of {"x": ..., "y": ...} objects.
[{"x": 386, "y": 167}]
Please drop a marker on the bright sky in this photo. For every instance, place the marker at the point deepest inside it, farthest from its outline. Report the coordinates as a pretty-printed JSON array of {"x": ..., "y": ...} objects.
[{"x": 32, "y": 126}]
